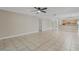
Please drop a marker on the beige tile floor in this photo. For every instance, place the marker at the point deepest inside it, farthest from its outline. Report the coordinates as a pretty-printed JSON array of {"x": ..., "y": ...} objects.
[{"x": 43, "y": 41}]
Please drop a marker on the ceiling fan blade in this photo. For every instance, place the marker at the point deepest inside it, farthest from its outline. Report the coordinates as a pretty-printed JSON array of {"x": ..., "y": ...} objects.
[
  {"x": 43, "y": 8},
  {"x": 43, "y": 11},
  {"x": 38, "y": 8}
]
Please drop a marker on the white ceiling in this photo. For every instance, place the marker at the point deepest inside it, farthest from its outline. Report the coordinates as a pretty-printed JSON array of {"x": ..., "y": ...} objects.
[{"x": 60, "y": 11}]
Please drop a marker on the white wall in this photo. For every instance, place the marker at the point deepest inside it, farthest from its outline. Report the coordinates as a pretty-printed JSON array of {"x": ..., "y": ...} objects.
[
  {"x": 46, "y": 24},
  {"x": 13, "y": 23}
]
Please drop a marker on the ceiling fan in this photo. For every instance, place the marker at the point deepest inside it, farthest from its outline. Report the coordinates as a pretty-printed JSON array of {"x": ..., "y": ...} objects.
[{"x": 40, "y": 9}]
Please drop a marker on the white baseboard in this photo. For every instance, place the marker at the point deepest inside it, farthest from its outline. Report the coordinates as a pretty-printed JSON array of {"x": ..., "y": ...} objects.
[{"x": 16, "y": 35}]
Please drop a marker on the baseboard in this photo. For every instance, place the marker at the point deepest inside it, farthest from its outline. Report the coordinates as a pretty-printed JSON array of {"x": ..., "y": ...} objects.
[{"x": 16, "y": 35}]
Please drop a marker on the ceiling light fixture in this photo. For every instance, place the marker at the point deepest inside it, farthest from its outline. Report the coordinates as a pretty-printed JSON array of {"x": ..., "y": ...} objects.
[{"x": 39, "y": 10}]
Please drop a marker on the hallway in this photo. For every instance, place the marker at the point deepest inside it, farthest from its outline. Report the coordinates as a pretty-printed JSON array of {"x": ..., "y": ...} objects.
[{"x": 68, "y": 28}]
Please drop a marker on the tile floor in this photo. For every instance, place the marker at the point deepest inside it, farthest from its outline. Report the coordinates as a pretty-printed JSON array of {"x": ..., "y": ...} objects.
[{"x": 43, "y": 41}]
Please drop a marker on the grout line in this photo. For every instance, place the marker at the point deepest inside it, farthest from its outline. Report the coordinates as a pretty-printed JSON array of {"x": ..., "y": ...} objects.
[
  {"x": 42, "y": 44},
  {"x": 24, "y": 43}
]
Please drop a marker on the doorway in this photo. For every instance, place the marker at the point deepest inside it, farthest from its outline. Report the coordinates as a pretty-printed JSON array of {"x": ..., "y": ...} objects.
[{"x": 69, "y": 25}]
